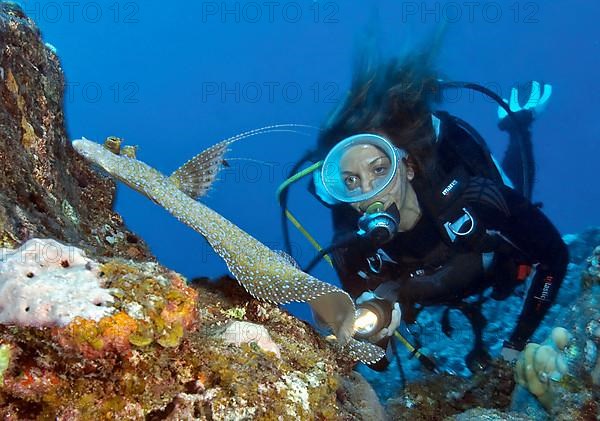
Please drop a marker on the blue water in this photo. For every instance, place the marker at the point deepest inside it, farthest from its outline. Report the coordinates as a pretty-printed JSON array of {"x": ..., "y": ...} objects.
[{"x": 176, "y": 77}]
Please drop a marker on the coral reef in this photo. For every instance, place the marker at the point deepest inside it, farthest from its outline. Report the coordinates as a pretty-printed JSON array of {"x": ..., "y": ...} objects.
[
  {"x": 440, "y": 396},
  {"x": 46, "y": 189},
  {"x": 591, "y": 274},
  {"x": 481, "y": 414},
  {"x": 157, "y": 356},
  {"x": 575, "y": 395}
]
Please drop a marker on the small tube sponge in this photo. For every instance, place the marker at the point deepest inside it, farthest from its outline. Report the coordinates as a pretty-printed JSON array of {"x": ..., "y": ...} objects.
[
  {"x": 45, "y": 283},
  {"x": 539, "y": 365}
]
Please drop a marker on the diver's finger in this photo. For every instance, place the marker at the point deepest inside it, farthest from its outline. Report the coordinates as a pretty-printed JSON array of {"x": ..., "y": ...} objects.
[
  {"x": 396, "y": 316},
  {"x": 543, "y": 102},
  {"x": 365, "y": 296},
  {"x": 534, "y": 96},
  {"x": 380, "y": 335},
  {"x": 395, "y": 322},
  {"x": 514, "y": 100}
]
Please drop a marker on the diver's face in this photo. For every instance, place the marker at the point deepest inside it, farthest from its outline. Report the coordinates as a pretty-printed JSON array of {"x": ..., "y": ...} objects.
[{"x": 365, "y": 167}]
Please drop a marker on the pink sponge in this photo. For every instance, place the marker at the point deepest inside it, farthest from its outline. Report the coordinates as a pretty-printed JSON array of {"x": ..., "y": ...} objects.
[{"x": 45, "y": 283}]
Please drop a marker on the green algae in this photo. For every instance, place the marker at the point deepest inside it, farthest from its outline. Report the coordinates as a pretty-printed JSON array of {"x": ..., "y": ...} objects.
[{"x": 5, "y": 353}]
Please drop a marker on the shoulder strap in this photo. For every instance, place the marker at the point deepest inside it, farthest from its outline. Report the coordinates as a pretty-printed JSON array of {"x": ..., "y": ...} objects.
[{"x": 461, "y": 158}]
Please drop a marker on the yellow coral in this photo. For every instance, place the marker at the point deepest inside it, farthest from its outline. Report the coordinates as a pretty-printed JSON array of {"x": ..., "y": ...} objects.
[
  {"x": 539, "y": 365},
  {"x": 109, "y": 334},
  {"x": 144, "y": 335},
  {"x": 117, "y": 327},
  {"x": 171, "y": 337}
]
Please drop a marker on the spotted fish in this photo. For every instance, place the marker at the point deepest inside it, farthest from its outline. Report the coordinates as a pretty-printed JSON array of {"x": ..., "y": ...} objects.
[{"x": 264, "y": 273}]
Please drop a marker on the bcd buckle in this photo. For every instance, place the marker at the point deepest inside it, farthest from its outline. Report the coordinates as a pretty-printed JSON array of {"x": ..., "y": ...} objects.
[
  {"x": 375, "y": 263},
  {"x": 455, "y": 229}
]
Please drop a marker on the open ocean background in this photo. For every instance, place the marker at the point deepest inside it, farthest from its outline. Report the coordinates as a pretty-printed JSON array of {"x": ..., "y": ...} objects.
[{"x": 176, "y": 77}]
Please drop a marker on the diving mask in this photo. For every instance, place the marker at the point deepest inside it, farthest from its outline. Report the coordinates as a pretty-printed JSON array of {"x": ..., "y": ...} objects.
[{"x": 357, "y": 169}]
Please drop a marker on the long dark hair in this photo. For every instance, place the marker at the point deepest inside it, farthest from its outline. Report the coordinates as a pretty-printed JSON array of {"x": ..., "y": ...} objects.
[{"x": 392, "y": 97}]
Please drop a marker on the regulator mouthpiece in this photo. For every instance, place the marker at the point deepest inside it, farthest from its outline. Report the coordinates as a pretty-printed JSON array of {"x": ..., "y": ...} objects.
[{"x": 377, "y": 225}]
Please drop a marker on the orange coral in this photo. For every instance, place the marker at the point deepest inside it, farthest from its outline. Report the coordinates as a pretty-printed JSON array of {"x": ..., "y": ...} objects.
[
  {"x": 185, "y": 298},
  {"x": 95, "y": 339},
  {"x": 175, "y": 314}
]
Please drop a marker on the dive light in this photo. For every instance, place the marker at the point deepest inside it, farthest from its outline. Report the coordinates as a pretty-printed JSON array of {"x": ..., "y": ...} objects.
[{"x": 371, "y": 317}]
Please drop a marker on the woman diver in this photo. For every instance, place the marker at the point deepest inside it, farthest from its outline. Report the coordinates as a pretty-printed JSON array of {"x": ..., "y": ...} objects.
[{"x": 422, "y": 213}]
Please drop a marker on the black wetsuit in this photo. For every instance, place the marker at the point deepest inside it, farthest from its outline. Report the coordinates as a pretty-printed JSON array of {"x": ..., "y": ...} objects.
[{"x": 427, "y": 269}]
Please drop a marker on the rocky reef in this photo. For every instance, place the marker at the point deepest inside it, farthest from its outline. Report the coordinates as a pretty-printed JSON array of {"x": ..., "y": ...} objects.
[
  {"x": 46, "y": 189},
  {"x": 93, "y": 328}
]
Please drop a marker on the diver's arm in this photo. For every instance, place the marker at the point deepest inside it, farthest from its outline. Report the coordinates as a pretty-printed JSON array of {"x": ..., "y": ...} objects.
[
  {"x": 540, "y": 297},
  {"x": 458, "y": 278},
  {"x": 518, "y": 157},
  {"x": 527, "y": 228}
]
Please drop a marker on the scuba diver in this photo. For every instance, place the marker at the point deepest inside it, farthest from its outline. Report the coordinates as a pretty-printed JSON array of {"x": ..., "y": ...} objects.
[{"x": 423, "y": 214}]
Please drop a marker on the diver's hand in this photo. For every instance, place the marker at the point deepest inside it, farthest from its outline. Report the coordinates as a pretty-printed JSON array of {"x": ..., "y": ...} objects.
[
  {"x": 394, "y": 323},
  {"x": 536, "y": 101},
  {"x": 366, "y": 296}
]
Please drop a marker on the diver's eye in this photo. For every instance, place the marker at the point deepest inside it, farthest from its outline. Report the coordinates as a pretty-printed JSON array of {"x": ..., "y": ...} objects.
[
  {"x": 351, "y": 182},
  {"x": 380, "y": 170}
]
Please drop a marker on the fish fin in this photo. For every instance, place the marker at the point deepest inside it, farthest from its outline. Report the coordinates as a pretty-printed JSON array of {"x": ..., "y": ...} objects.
[
  {"x": 365, "y": 352},
  {"x": 336, "y": 309},
  {"x": 195, "y": 177}
]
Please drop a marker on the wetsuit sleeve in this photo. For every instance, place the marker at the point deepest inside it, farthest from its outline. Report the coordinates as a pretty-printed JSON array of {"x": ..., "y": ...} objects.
[
  {"x": 518, "y": 158},
  {"x": 442, "y": 286},
  {"x": 459, "y": 277},
  {"x": 527, "y": 228}
]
